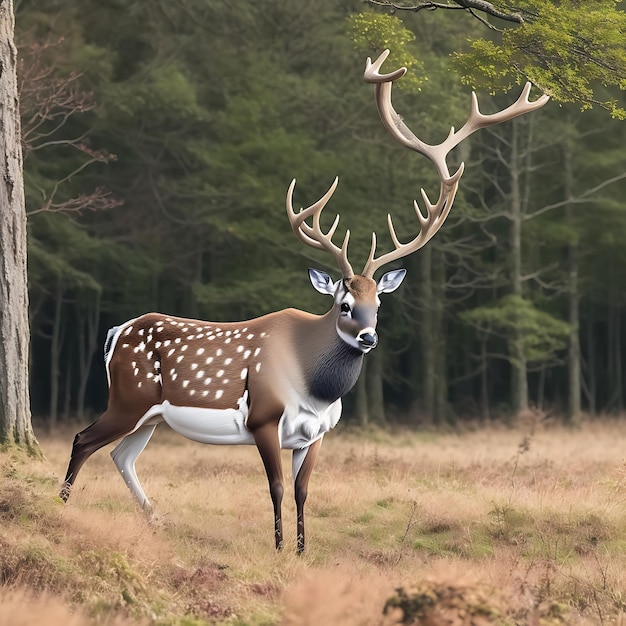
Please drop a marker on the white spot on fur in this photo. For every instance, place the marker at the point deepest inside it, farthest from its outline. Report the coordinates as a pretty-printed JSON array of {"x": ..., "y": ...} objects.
[
  {"x": 244, "y": 373},
  {"x": 185, "y": 383},
  {"x": 177, "y": 340},
  {"x": 125, "y": 345},
  {"x": 207, "y": 381},
  {"x": 136, "y": 371},
  {"x": 157, "y": 344},
  {"x": 171, "y": 351},
  {"x": 183, "y": 348},
  {"x": 157, "y": 365},
  {"x": 227, "y": 361},
  {"x": 194, "y": 366},
  {"x": 200, "y": 374},
  {"x": 246, "y": 354},
  {"x": 205, "y": 393},
  {"x": 191, "y": 392},
  {"x": 139, "y": 384},
  {"x": 209, "y": 360},
  {"x": 141, "y": 332},
  {"x": 218, "y": 394},
  {"x": 128, "y": 330},
  {"x": 150, "y": 354},
  {"x": 250, "y": 336},
  {"x": 218, "y": 352},
  {"x": 179, "y": 358},
  {"x": 258, "y": 367},
  {"x": 166, "y": 343},
  {"x": 200, "y": 351},
  {"x": 239, "y": 348},
  {"x": 220, "y": 373},
  {"x": 257, "y": 352}
]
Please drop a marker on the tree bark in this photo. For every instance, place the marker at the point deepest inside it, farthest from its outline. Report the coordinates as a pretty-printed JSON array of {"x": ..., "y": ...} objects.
[{"x": 15, "y": 417}]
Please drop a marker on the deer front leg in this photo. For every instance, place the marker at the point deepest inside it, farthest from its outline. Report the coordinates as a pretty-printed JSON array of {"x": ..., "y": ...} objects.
[
  {"x": 268, "y": 444},
  {"x": 303, "y": 462}
]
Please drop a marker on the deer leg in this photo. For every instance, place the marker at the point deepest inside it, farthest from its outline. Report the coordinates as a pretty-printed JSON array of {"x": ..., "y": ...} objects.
[
  {"x": 302, "y": 463},
  {"x": 124, "y": 456},
  {"x": 266, "y": 439},
  {"x": 102, "y": 432}
]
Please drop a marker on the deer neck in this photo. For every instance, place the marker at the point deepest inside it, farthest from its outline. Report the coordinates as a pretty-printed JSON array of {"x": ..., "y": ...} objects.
[{"x": 331, "y": 365}]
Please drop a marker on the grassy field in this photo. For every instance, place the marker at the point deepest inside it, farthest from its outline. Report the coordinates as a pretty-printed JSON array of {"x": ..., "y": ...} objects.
[{"x": 525, "y": 525}]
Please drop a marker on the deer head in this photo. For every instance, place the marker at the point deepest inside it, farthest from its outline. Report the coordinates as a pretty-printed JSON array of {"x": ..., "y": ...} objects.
[{"x": 356, "y": 296}]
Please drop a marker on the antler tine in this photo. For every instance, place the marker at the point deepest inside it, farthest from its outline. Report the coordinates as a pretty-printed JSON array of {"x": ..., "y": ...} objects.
[
  {"x": 436, "y": 213},
  {"x": 313, "y": 235}
]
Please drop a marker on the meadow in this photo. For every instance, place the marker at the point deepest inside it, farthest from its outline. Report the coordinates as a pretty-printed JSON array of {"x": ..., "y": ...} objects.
[{"x": 517, "y": 525}]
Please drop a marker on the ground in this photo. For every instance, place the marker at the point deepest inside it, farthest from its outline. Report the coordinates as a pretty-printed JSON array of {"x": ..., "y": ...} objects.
[{"x": 519, "y": 525}]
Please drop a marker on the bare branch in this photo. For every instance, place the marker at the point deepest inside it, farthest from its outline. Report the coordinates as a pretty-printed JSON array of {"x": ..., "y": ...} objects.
[{"x": 474, "y": 7}]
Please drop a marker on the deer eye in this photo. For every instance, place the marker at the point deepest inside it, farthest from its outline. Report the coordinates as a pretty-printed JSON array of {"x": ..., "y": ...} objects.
[{"x": 345, "y": 308}]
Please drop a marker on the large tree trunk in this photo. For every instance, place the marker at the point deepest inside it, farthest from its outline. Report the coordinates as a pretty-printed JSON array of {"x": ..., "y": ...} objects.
[{"x": 15, "y": 424}]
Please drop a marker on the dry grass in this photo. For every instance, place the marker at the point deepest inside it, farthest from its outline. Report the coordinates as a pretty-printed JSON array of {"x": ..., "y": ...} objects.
[{"x": 495, "y": 526}]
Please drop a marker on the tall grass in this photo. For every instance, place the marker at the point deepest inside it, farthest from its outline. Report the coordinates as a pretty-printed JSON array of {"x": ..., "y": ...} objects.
[{"x": 524, "y": 525}]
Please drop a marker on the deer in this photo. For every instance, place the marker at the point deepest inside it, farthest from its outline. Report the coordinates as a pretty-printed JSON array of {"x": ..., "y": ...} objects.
[{"x": 276, "y": 381}]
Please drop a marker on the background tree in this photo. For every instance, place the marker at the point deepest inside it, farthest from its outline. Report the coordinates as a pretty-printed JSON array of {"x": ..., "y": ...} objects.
[
  {"x": 211, "y": 109},
  {"x": 15, "y": 426}
]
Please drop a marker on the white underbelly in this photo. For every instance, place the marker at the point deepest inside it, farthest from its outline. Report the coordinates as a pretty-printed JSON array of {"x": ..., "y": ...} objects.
[
  {"x": 218, "y": 426},
  {"x": 299, "y": 426}
]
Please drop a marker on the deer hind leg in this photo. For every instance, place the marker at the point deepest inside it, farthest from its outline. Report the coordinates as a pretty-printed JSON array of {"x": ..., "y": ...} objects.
[
  {"x": 302, "y": 463},
  {"x": 106, "y": 429},
  {"x": 124, "y": 456}
]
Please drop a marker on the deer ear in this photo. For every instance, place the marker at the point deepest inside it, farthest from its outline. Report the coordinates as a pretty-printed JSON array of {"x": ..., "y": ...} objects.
[
  {"x": 390, "y": 281},
  {"x": 322, "y": 282}
]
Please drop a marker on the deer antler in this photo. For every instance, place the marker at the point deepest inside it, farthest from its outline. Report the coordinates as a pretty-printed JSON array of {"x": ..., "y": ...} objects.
[
  {"x": 313, "y": 235},
  {"x": 436, "y": 213}
]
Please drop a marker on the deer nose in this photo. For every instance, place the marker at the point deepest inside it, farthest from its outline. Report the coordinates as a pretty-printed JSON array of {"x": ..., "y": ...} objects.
[{"x": 368, "y": 340}]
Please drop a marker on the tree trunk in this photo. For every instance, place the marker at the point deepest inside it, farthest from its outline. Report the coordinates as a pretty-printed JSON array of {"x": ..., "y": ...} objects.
[
  {"x": 55, "y": 357},
  {"x": 15, "y": 418},
  {"x": 427, "y": 336},
  {"x": 89, "y": 322},
  {"x": 440, "y": 405},
  {"x": 374, "y": 386},
  {"x": 573, "y": 356},
  {"x": 519, "y": 381},
  {"x": 361, "y": 408}
]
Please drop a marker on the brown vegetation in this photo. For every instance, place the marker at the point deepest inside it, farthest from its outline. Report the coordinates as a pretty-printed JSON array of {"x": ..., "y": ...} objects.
[{"x": 498, "y": 526}]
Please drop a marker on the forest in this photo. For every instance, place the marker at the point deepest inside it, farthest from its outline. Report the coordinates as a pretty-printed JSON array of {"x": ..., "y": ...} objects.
[{"x": 159, "y": 141}]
